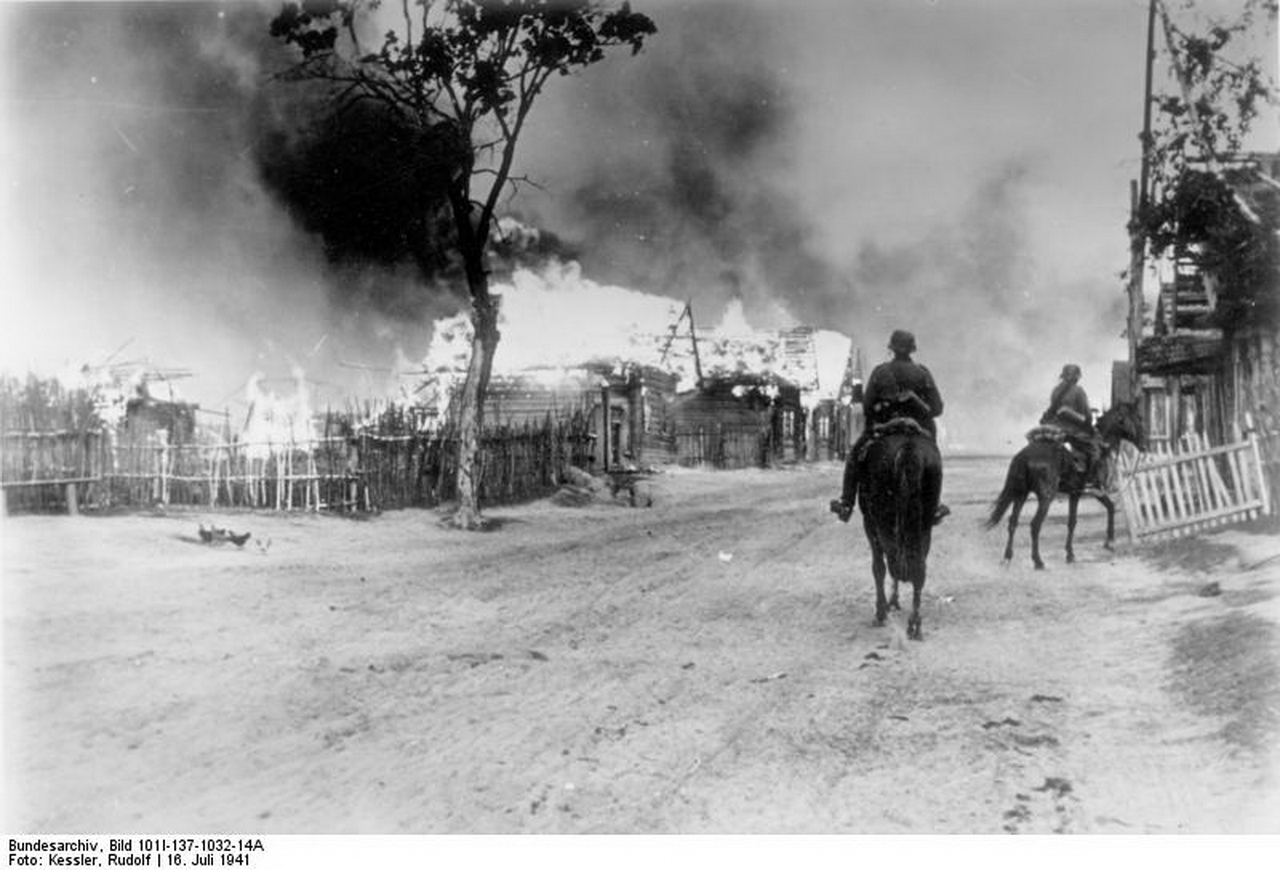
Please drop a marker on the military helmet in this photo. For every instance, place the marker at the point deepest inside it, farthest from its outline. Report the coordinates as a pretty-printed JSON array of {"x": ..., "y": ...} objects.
[
  {"x": 902, "y": 342},
  {"x": 1070, "y": 372}
]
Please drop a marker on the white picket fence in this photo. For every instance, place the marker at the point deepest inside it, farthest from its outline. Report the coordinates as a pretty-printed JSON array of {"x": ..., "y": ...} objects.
[{"x": 1182, "y": 490}]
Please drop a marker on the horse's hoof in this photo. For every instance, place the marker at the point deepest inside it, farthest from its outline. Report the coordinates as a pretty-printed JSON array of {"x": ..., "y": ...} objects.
[
  {"x": 1071, "y": 557},
  {"x": 1039, "y": 566},
  {"x": 1109, "y": 547}
]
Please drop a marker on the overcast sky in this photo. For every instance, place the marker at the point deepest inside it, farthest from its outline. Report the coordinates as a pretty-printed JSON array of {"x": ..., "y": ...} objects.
[{"x": 956, "y": 167}]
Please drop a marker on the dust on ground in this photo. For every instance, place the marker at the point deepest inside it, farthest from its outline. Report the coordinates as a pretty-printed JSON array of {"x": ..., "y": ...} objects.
[{"x": 706, "y": 664}]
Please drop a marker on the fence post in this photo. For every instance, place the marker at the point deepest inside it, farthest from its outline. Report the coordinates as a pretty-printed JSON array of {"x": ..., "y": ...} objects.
[{"x": 1263, "y": 484}]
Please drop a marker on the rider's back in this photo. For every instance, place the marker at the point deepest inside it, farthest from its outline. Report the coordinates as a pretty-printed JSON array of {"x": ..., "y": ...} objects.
[{"x": 892, "y": 379}]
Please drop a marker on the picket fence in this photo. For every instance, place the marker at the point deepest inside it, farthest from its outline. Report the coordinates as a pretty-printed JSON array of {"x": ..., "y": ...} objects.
[{"x": 1183, "y": 489}]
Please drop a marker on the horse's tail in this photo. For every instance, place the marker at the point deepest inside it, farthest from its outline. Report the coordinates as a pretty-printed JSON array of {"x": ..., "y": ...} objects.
[
  {"x": 909, "y": 471},
  {"x": 1014, "y": 483}
]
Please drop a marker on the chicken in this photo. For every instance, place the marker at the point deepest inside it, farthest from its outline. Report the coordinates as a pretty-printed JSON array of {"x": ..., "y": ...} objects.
[
  {"x": 238, "y": 540},
  {"x": 206, "y": 535}
]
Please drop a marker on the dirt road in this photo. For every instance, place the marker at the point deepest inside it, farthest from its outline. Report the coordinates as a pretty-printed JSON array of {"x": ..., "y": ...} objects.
[{"x": 707, "y": 664}]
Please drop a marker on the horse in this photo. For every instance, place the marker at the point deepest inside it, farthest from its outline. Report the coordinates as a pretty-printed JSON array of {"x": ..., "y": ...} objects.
[
  {"x": 1047, "y": 468},
  {"x": 902, "y": 483}
]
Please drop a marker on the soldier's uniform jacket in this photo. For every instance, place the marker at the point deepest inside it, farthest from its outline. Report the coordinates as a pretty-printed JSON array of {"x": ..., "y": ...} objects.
[
  {"x": 880, "y": 400},
  {"x": 1069, "y": 395}
]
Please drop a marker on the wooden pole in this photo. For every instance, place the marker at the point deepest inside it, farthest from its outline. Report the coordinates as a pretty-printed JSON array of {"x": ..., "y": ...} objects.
[{"x": 1139, "y": 200}]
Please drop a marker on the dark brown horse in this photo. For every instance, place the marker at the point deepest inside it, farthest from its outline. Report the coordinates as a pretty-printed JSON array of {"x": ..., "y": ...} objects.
[
  {"x": 1047, "y": 468},
  {"x": 902, "y": 482}
]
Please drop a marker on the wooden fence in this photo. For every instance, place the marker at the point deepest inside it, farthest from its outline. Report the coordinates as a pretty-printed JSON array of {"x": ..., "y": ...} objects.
[
  {"x": 347, "y": 468},
  {"x": 1170, "y": 493},
  {"x": 724, "y": 447}
]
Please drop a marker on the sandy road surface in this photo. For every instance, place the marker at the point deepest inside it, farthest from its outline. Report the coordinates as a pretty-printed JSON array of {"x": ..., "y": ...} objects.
[{"x": 707, "y": 664}]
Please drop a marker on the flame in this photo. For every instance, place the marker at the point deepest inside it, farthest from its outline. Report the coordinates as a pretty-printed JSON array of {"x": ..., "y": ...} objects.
[
  {"x": 555, "y": 320},
  {"x": 275, "y": 421}
]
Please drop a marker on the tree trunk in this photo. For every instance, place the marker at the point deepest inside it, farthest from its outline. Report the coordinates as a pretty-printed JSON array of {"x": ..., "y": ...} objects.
[{"x": 470, "y": 417}]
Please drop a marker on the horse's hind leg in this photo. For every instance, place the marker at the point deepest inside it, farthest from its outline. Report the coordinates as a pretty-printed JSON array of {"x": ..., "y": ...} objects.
[
  {"x": 1111, "y": 521},
  {"x": 1073, "y": 503},
  {"x": 878, "y": 571},
  {"x": 1042, "y": 510},
  {"x": 894, "y": 573},
  {"x": 1015, "y": 511},
  {"x": 915, "y": 630}
]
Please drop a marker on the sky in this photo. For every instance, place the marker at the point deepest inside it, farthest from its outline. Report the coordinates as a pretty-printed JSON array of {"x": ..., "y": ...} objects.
[{"x": 959, "y": 168}]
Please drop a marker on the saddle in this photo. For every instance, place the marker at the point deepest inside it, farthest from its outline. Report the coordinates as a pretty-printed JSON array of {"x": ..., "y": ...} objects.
[
  {"x": 899, "y": 426},
  {"x": 1078, "y": 450},
  {"x": 1046, "y": 434}
]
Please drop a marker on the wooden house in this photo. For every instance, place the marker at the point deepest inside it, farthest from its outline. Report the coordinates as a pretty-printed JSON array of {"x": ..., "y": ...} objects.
[
  {"x": 1208, "y": 364},
  {"x": 1204, "y": 369},
  {"x": 629, "y": 407}
]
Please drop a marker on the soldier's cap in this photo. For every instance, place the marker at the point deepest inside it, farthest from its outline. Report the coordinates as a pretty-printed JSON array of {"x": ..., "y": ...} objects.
[{"x": 1070, "y": 371}]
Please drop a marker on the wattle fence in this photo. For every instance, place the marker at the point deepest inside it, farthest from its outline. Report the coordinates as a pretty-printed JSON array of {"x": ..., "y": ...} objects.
[{"x": 384, "y": 462}]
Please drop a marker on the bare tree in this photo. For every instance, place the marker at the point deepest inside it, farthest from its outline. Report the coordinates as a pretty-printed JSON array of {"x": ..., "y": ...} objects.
[
  {"x": 1221, "y": 88},
  {"x": 465, "y": 75}
]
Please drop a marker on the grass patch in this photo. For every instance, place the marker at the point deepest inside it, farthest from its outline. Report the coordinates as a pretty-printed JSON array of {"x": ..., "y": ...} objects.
[
  {"x": 1192, "y": 554},
  {"x": 1227, "y": 667}
]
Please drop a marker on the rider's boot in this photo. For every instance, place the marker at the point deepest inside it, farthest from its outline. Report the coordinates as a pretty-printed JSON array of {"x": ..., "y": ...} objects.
[
  {"x": 842, "y": 507},
  {"x": 1097, "y": 476},
  {"x": 940, "y": 513}
]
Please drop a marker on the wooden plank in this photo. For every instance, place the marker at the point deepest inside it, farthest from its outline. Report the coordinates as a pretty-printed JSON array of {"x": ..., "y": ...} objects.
[
  {"x": 1174, "y": 474},
  {"x": 1238, "y": 481},
  {"x": 14, "y": 484},
  {"x": 1191, "y": 481},
  {"x": 1227, "y": 514},
  {"x": 1263, "y": 489},
  {"x": 1146, "y": 498},
  {"x": 1129, "y": 505},
  {"x": 1165, "y": 458},
  {"x": 1161, "y": 477},
  {"x": 1150, "y": 491},
  {"x": 1219, "y": 488},
  {"x": 1202, "y": 474}
]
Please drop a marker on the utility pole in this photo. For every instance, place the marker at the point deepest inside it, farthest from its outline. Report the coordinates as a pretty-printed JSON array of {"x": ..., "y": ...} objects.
[
  {"x": 1139, "y": 200},
  {"x": 693, "y": 338}
]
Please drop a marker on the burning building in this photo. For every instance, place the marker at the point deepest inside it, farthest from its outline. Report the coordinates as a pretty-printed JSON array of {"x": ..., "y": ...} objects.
[{"x": 657, "y": 387}]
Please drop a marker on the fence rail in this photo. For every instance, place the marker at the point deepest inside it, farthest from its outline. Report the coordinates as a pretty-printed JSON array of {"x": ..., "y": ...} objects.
[{"x": 1170, "y": 493}]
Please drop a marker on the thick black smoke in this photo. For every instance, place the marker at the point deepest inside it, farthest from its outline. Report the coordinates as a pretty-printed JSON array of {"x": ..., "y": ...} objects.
[
  {"x": 685, "y": 196},
  {"x": 172, "y": 188},
  {"x": 372, "y": 189},
  {"x": 145, "y": 138}
]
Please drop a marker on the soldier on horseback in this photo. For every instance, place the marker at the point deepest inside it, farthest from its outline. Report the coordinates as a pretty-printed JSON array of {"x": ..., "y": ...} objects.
[
  {"x": 1069, "y": 411},
  {"x": 896, "y": 389}
]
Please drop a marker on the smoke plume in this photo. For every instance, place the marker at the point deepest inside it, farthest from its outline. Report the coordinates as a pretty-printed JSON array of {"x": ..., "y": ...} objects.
[{"x": 171, "y": 198}]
